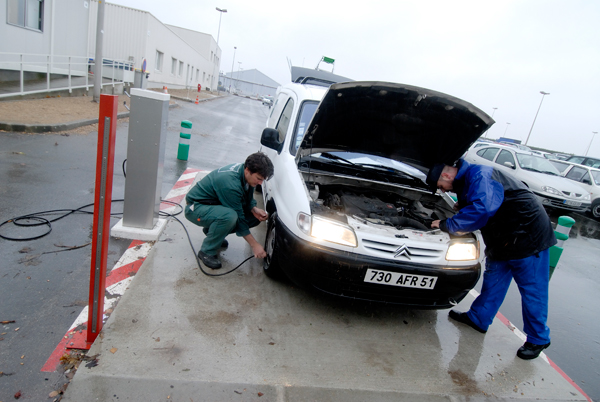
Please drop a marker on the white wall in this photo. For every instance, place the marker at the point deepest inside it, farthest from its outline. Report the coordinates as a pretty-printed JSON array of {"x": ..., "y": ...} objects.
[
  {"x": 63, "y": 35},
  {"x": 137, "y": 34}
]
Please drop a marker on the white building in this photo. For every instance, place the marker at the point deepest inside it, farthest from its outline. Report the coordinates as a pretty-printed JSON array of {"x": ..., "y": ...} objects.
[{"x": 50, "y": 39}]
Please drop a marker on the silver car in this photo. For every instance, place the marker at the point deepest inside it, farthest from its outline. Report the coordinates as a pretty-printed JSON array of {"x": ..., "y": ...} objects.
[
  {"x": 542, "y": 178},
  {"x": 589, "y": 179}
]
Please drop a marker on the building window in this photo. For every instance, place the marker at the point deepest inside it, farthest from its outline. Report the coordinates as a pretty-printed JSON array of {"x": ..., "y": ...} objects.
[
  {"x": 26, "y": 13},
  {"x": 173, "y": 66},
  {"x": 159, "y": 61},
  {"x": 203, "y": 76},
  {"x": 180, "y": 68},
  {"x": 197, "y": 74}
]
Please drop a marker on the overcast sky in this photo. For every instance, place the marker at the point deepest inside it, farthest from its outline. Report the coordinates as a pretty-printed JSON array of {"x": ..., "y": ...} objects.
[{"x": 497, "y": 54}]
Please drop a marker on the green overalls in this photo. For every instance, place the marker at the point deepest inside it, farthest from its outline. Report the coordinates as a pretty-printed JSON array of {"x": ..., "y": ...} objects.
[{"x": 221, "y": 203}]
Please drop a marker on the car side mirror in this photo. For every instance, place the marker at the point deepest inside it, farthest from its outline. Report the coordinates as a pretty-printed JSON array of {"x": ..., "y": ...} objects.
[
  {"x": 509, "y": 164},
  {"x": 270, "y": 139}
]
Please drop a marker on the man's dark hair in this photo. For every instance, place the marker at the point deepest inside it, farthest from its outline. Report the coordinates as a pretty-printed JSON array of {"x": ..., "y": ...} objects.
[{"x": 260, "y": 163}]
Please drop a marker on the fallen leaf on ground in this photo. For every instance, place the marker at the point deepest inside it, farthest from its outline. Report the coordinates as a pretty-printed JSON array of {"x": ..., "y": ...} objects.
[
  {"x": 260, "y": 394},
  {"x": 18, "y": 395},
  {"x": 113, "y": 350},
  {"x": 7, "y": 322},
  {"x": 53, "y": 394}
]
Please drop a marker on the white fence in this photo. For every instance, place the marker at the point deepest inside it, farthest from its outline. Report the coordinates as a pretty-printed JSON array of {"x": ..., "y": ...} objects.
[{"x": 61, "y": 73}]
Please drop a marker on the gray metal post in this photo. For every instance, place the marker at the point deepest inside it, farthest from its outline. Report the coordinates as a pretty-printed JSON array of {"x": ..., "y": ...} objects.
[
  {"x": 98, "y": 57},
  {"x": 145, "y": 157}
]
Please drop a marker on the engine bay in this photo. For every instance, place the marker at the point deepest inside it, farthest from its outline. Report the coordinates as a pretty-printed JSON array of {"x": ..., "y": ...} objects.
[{"x": 401, "y": 209}]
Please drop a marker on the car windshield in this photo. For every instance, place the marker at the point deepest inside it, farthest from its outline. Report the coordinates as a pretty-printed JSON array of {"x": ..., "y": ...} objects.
[
  {"x": 373, "y": 161},
  {"x": 536, "y": 164}
]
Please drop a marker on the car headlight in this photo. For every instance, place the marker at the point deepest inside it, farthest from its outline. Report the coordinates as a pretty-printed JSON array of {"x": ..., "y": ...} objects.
[
  {"x": 587, "y": 197},
  {"x": 551, "y": 190},
  {"x": 463, "y": 250},
  {"x": 328, "y": 230}
]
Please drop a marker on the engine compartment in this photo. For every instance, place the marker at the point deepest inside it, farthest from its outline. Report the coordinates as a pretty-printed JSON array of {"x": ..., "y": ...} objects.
[{"x": 400, "y": 208}]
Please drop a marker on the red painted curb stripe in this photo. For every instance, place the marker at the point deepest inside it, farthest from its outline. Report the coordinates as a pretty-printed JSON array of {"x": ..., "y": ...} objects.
[
  {"x": 79, "y": 339},
  {"x": 124, "y": 272},
  {"x": 54, "y": 359},
  {"x": 183, "y": 183},
  {"x": 176, "y": 200}
]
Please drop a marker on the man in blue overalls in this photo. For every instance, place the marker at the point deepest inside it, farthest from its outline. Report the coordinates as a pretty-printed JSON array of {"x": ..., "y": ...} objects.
[
  {"x": 517, "y": 234},
  {"x": 223, "y": 203}
]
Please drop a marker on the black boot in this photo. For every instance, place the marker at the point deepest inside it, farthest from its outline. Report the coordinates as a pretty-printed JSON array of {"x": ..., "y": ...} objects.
[
  {"x": 464, "y": 318},
  {"x": 210, "y": 261},
  {"x": 530, "y": 351}
]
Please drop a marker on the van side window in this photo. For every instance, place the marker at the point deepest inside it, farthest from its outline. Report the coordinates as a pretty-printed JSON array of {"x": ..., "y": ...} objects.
[{"x": 284, "y": 121}]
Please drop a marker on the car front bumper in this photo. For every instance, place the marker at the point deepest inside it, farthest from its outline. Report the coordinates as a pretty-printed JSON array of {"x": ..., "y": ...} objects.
[
  {"x": 560, "y": 203},
  {"x": 342, "y": 274}
]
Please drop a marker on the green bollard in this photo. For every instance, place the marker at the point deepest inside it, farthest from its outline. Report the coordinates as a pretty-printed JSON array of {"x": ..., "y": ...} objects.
[
  {"x": 562, "y": 233},
  {"x": 184, "y": 140}
]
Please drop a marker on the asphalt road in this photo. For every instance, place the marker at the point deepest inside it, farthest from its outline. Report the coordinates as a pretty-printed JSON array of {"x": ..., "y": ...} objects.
[
  {"x": 44, "y": 293},
  {"x": 42, "y": 288}
]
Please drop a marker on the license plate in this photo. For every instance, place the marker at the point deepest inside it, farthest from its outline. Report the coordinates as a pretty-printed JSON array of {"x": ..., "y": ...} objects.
[
  {"x": 572, "y": 203},
  {"x": 400, "y": 279}
]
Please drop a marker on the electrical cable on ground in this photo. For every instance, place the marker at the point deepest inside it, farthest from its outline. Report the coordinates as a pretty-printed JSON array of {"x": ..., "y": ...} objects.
[{"x": 39, "y": 220}]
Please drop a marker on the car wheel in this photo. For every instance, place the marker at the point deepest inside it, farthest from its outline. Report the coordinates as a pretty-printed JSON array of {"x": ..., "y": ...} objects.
[
  {"x": 270, "y": 265},
  {"x": 596, "y": 209}
]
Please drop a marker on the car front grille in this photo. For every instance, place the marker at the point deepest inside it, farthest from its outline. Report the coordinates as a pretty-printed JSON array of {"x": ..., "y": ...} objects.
[
  {"x": 574, "y": 195},
  {"x": 403, "y": 251}
]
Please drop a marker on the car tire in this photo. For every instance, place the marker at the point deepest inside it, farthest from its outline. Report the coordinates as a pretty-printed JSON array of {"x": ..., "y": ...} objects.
[
  {"x": 271, "y": 266},
  {"x": 596, "y": 209}
]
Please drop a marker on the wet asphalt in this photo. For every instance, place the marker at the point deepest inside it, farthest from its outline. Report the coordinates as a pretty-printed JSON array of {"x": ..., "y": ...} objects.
[{"x": 43, "y": 289}]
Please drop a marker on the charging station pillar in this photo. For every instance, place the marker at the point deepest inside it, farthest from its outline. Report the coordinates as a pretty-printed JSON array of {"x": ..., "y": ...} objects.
[{"x": 148, "y": 120}]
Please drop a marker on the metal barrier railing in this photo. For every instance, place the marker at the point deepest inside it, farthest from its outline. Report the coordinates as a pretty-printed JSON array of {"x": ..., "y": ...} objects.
[{"x": 61, "y": 73}]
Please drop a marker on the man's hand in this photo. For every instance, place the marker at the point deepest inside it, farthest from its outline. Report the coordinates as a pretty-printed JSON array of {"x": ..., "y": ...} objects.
[
  {"x": 260, "y": 215},
  {"x": 259, "y": 251},
  {"x": 435, "y": 224}
]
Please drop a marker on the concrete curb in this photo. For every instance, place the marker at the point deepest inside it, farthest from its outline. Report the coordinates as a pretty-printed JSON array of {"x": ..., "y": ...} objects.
[
  {"x": 53, "y": 128},
  {"x": 50, "y": 128}
]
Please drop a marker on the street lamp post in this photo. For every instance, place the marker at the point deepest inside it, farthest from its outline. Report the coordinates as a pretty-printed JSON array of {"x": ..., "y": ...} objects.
[
  {"x": 238, "y": 75},
  {"x": 486, "y": 133},
  {"x": 506, "y": 129},
  {"x": 588, "y": 148},
  {"x": 212, "y": 84},
  {"x": 232, "y": 63},
  {"x": 536, "y": 113}
]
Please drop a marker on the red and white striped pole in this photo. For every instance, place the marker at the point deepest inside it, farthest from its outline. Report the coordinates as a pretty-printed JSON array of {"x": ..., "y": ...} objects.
[{"x": 107, "y": 130}]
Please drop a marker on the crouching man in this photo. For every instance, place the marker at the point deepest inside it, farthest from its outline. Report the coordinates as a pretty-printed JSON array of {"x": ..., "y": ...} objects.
[{"x": 223, "y": 203}]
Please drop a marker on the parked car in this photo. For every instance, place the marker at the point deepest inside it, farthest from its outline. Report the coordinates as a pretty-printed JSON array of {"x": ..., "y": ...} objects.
[
  {"x": 560, "y": 165},
  {"x": 546, "y": 155},
  {"x": 267, "y": 101},
  {"x": 585, "y": 160},
  {"x": 349, "y": 208},
  {"x": 589, "y": 179},
  {"x": 537, "y": 172}
]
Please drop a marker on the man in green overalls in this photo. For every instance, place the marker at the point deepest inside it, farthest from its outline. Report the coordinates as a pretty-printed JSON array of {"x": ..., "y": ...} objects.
[{"x": 223, "y": 203}]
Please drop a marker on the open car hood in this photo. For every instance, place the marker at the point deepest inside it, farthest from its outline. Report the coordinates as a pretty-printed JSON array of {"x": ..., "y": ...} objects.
[{"x": 409, "y": 124}]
